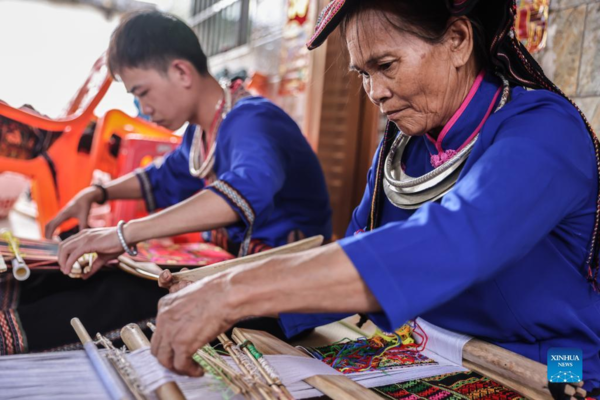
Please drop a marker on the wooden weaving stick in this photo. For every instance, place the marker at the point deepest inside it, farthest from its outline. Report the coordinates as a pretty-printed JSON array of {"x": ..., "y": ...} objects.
[
  {"x": 152, "y": 271},
  {"x": 337, "y": 387}
]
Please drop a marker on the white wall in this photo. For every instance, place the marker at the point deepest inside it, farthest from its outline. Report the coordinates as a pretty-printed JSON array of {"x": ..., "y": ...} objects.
[{"x": 47, "y": 51}]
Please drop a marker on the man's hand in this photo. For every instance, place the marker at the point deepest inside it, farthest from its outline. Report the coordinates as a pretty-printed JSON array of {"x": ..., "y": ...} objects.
[
  {"x": 78, "y": 208},
  {"x": 188, "y": 320},
  {"x": 103, "y": 241},
  {"x": 165, "y": 280}
]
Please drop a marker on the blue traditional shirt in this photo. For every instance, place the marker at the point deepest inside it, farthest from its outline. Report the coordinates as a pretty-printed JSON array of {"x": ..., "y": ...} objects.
[
  {"x": 265, "y": 169},
  {"x": 502, "y": 256}
]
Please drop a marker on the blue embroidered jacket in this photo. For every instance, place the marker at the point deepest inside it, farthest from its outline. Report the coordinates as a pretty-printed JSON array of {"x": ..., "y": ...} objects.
[
  {"x": 265, "y": 170},
  {"x": 502, "y": 255}
]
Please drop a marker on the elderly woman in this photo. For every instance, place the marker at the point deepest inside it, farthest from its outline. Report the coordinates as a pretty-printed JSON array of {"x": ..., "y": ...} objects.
[{"x": 481, "y": 209}]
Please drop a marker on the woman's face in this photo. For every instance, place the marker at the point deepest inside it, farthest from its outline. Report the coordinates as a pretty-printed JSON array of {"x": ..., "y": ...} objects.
[{"x": 415, "y": 83}]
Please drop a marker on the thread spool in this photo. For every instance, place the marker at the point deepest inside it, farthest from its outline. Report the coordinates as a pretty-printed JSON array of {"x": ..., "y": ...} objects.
[{"x": 20, "y": 270}]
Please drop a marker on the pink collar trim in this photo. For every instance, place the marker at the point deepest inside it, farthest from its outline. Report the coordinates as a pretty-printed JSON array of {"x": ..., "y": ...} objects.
[
  {"x": 457, "y": 114},
  {"x": 445, "y": 155}
]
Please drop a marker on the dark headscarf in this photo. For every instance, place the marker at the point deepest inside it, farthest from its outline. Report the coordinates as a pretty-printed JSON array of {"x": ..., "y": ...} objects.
[{"x": 507, "y": 56}]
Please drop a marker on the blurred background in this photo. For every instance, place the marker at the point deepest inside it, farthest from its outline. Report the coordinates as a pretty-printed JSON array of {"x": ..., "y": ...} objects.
[{"x": 50, "y": 46}]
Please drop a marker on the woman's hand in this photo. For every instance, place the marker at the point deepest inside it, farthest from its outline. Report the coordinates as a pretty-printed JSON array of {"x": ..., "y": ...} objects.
[
  {"x": 103, "y": 241},
  {"x": 78, "y": 208},
  {"x": 314, "y": 281},
  {"x": 165, "y": 280},
  {"x": 189, "y": 319}
]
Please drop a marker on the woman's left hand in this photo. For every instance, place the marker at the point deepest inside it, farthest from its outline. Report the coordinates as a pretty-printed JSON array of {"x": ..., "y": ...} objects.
[
  {"x": 188, "y": 320},
  {"x": 298, "y": 283},
  {"x": 103, "y": 241}
]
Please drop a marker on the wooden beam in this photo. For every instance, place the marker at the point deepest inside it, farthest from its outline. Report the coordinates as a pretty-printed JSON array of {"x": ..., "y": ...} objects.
[
  {"x": 152, "y": 271},
  {"x": 512, "y": 370}
]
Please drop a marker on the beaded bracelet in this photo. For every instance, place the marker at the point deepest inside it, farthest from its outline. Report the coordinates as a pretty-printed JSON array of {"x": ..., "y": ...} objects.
[
  {"x": 132, "y": 251},
  {"x": 104, "y": 193}
]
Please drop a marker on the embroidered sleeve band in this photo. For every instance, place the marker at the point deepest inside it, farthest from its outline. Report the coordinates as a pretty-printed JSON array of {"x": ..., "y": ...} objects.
[
  {"x": 146, "y": 189},
  {"x": 240, "y": 202}
]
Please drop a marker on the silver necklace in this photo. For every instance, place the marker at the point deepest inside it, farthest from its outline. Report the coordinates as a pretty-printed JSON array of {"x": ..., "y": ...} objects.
[
  {"x": 407, "y": 192},
  {"x": 201, "y": 165}
]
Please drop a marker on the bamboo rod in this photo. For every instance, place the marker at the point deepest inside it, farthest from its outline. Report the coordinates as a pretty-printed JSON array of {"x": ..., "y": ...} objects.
[
  {"x": 230, "y": 349},
  {"x": 237, "y": 386},
  {"x": 152, "y": 271},
  {"x": 134, "y": 339},
  {"x": 200, "y": 273},
  {"x": 114, "y": 389},
  {"x": 273, "y": 381}
]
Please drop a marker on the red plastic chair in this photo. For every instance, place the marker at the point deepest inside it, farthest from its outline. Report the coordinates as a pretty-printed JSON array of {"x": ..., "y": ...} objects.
[
  {"x": 58, "y": 172},
  {"x": 117, "y": 123}
]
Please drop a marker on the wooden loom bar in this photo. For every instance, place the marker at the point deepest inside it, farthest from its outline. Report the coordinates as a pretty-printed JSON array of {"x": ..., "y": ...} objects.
[
  {"x": 152, "y": 271},
  {"x": 134, "y": 339},
  {"x": 512, "y": 370}
]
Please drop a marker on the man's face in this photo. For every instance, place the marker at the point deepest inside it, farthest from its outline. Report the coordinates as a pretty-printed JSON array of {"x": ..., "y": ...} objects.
[{"x": 161, "y": 95}]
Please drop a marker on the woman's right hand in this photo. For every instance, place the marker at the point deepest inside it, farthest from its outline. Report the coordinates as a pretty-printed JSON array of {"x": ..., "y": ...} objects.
[{"x": 78, "y": 208}]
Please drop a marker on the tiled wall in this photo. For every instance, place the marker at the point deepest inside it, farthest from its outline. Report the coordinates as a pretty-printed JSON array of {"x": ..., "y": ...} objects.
[{"x": 572, "y": 56}]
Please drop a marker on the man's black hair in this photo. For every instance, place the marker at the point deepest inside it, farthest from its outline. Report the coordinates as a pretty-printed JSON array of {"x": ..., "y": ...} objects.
[{"x": 152, "y": 39}]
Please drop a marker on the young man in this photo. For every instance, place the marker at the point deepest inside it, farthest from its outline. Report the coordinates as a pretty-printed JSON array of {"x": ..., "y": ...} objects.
[
  {"x": 256, "y": 174},
  {"x": 243, "y": 166}
]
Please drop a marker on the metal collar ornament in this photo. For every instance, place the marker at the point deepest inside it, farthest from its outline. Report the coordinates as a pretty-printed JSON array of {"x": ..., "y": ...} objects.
[
  {"x": 201, "y": 161},
  {"x": 408, "y": 192},
  {"x": 204, "y": 143}
]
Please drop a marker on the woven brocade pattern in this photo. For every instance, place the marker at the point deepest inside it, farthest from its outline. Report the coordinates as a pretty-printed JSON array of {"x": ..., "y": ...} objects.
[
  {"x": 455, "y": 386},
  {"x": 12, "y": 337}
]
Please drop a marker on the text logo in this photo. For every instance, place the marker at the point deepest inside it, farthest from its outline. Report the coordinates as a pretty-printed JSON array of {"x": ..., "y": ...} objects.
[{"x": 565, "y": 365}]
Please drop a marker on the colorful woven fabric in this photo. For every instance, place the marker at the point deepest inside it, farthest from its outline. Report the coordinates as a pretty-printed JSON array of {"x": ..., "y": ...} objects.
[
  {"x": 455, "y": 386},
  {"x": 166, "y": 253},
  {"x": 12, "y": 337},
  {"x": 376, "y": 353}
]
